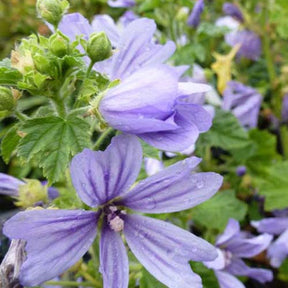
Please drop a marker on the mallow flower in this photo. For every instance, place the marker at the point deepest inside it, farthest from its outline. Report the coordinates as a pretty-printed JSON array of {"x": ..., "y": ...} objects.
[
  {"x": 233, "y": 245},
  {"x": 243, "y": 101},
  {"x": 278, "y": 250},
  {"x": 231, "y": 9},
  {"x": 56, "y": 239},
  {"x": 251, "y": 47}
]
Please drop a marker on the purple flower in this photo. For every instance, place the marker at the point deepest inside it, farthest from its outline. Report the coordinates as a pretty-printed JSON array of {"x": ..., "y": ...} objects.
[
  {"x": 250, "y": 43},
  {"x": 194, "y": 18},
  {"x": 121, "y": 3},
  {"x": 278, "y": 250},
  {"x": 243, "y": 101},
  {"x": 241, "y": 170},
  {"x": 148, "y": 100},
  {"x": 56, "y": 239},
  {"x": 9, "y": 186},
  {"x": 232, "y": 246},
  {"x": 231, "y": 9},
  {"x": 149, "y": 104},
  {"x": 285, "y": 108}
]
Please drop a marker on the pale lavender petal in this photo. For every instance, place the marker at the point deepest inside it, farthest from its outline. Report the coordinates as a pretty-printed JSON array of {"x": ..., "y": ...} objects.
[
  {"x": 274, "y": 226},
  {"x": 227, "y": 280},
  {"x": 278, "y": 250},
  {"x": 75, "y": 24},
  {"x": 56, "y": 240},
  {"x": 191, "y": 120},
  {"x": 164, "y": 250},
  {"x": 121, "y": 4},
  {"x": 173, "y": 189},
  {"x": 142, "y": 93},
  {"x": 114, "y": 264},
  {"x": 188, "y": 88},
  {"x": 249, "y": 247},
  {"x": 232, "y": 229},
  {"x": 238, "y": 267},
  {"x": 139, "y": 104},
  {"x": 219, "y": 263},
  {"x": 101, "y": 176},
  {"x": 153, "y": 166},
  {"x": 9, "y": 185},
  {"x": 137, "y": 50},
  {"x": 284, "y": 111},
  {"x": 106, "y": 23}
]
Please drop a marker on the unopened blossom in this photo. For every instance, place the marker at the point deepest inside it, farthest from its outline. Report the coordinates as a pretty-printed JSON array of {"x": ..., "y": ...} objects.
[
  {"x": 278, "y": 250},
  {"x": 121, "y": 3},
  {"x": 241, "y": 170},
  {"x": 244, "y": 102},
  {"x": 24, "y": 191},
  {"x": 194, "y": 18},
  {"x": 231, "y": 9},
  {"x": 233, "y": 245},
  {"x": 251, "y": 47},
  {"x": 57, "y": 239}
]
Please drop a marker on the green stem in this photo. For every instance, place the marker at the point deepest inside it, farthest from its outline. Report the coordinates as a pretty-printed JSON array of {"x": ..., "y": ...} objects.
[
  {"x": 267, "y": 52},
  {"x": 60, "y": 107},
  {"x": 21, "y": 116},
  {"x": 102, "y": 138},
  {"x": 89, "y": 68},
  {"x": 69, "y": 283}
]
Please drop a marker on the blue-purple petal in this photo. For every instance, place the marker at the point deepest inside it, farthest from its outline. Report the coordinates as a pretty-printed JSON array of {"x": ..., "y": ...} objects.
[
  {"x": 114, "y": 264},
  {"x": 173, "y": 189},
  {"x": 227, "y": 280},
  {"x": 100, "y": 176},
  {"x": 9, "y": 185},
  {"x": 238, "y": 267},
  {"x": 231, "y": 230},
  {"x": 273, "y": 226},
  {"x": 164, "y": 250},
  {"x": 278, "y": 250},
  {"x": 56, "y": 240}
]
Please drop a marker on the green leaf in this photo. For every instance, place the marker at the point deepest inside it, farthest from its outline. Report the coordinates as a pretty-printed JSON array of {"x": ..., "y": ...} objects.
[
  {"x": 8, "y": 75},
  {"x": 149, "y": 151},
  {"x": 215, "y": 213},
  {"x": 52, "y": 141},
  {"x": 274, "y": 186},
  {"x": 226, "y": 132},
  {"x": 208, "y": 277},
  {"x": 148, "y": 281},
  {"x": 9, "y": 143}
]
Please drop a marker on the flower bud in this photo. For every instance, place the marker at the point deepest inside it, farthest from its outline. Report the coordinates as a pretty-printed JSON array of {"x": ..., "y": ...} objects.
[
  {"x": 52, "y": 10},
  {"x": 31, "y": 193},
  {"x": 98, "y": 47},
  {"x": 7, "y": 101},
  {"x": 59, "y": 44},
  {"x": 41, "y": 63}
]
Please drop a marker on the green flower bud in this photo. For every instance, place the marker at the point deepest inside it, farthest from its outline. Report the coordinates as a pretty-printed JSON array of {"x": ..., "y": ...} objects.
[
  {"x": 99, "y": 47},
  {"x": 182, "y": 14},
  {"x": 52, "y": 10},
  {"x": 41, "y": 63},
  {"x": 59, "y": 44},
  {"x": 31, "y": 193},
  {"x": 7, "y": 101}
]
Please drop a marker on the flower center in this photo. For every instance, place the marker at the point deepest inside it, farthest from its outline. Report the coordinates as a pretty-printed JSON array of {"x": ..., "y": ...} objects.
[{"x": 115, "y": 218}]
